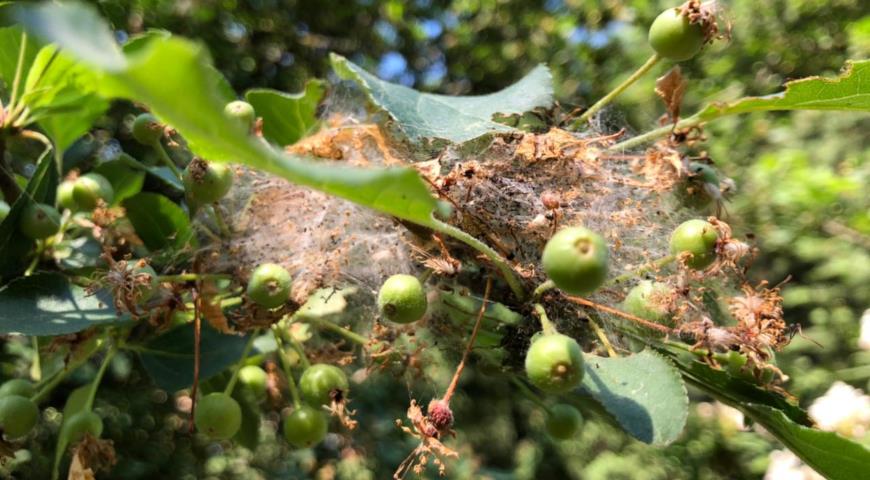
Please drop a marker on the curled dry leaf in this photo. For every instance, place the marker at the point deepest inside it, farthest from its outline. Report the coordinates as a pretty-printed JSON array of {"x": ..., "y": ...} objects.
[{"x": 670, "y": 87}]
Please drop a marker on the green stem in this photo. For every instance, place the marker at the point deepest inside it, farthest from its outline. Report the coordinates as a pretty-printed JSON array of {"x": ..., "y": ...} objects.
[
  {"x": 505, "y": 269},
  {"x": 640, "y": 271},
  {"x": 301, "y": 351},
  {"x": 650, "y": 63},
  {"x": 96, "y": 382},
  {"x": 282, "y": 357},
  {"x": 165, "y": 158},
  {"x": 219, "y": 220},
  {"x": 37, "y": 255},
  {"x": 425, "y": 276},
  {"x": 633, "y": 142},
  {"x": 543, "y": 288},
  {"x": 192, "y": 277},
  {"x": 599, "y": 332},
  {"x": 241, "y": 363},
  {"x": 528, "y": 393},
  {"x": 327, "y": 325},
  {"x": 36, "y": 367},
  {"x": 546, "y": 325}
]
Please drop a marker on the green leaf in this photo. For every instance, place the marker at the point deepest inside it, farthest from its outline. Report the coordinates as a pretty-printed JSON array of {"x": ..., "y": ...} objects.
[
  {"x": 643, "y": 392},
  {"x": 826, "y": 452},
  {"x": 10, "y": 46},
  {"x": 125, "y": 179},
  {"x": 174, "y": 78},
  {"x": 168, "y": 359},
  {"x": 719, "y": 383},
  {"x": 849, "y": 91},
  {"x": 48, "y": 304},
  {"x": 159, "y": 221},
  {"x": 15, "y": 248},
  {"x": 454, "y": 118},
  {"x": 325, "y": 303},
  {"x": 287, "y": 117}
]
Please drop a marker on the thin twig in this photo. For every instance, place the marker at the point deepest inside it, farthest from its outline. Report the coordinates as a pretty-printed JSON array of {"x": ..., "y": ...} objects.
[
  {"x": 452, "y": 388},
  {"x": 619, "y": 313}
]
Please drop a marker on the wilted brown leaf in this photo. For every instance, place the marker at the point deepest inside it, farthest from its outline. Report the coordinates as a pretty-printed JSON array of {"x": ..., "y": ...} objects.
[{"x": 670, "y": 88}]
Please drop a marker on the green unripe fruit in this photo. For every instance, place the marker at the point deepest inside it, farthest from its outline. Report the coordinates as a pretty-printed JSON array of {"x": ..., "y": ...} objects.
[
  {"x": 218, "y": 416},
  {"x": 146, "y": 282},
  {"x": 650, "y": 301},
  {"x": 254, "y": 379},
  {"x": 18, "y": 415},
  {"x": 39, "y": 221},
  {"x": 269, "y": 285},
  {"x": 76, "y": 426},
  {"x": 321, "y": 383},
  {"x": 563, "y": 421},
  {"x": 402, "y": 299},
  {"x": 17, "y": 386},
  {"x": 697, "y": 238},
  {"x": 241, "y": 111},
  {"x": 206, "y": 182},
  {"x": 305, "y": 427},
  {"x": 576, "y": 259},
  {"x": 64, "y": 195},
  {"x": 4, "y": 210},
  {"x": 147, "y": 130},
  {"x": 554, "y": 363},
  {"x": 674, "y": 37},
  {"x": 89, "y": 188}
]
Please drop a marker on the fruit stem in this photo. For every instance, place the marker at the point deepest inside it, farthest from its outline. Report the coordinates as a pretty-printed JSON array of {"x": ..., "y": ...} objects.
[
  {"x": 453, "y": 383},
  {"x": 505, "y": 269},
  {"x": 192, "y": 277},
  {"x": 37, "y": 255},
  {"x": 248, "y": 346},
  {"x": 599, "y": 332},
  {"x": 301, "y": 351},
  {"x": 165, "y": 158},
  {"x": 327, "y": 325},
  {"x": 219, "y": 220},
  {"x": 36, "y": 367},
  {"x": 546, "y": 325},
  {"x": 291, "y": 384},
  {"x": 424, "y": 276},
  {"x": 48, "y": 384},
  {"x": 528, "y": 393},
  {"x": 640, "y": 271},
  {"x": 649, "y": 64},
  {"x": 543, "y": 288},
  {"x": 633, "y": 142},
  {"x": 97, "y": 379}
]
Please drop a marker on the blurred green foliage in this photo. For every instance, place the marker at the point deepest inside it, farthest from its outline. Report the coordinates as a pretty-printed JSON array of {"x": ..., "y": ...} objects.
[{"x": 802, "y": 191}]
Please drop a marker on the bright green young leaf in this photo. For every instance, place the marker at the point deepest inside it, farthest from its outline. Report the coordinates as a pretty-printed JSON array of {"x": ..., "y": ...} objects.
[
  {"x": 828, "y": 453},
  {"x": 174, "y": 78},
  {"x": 457, "y": 118},
  {"x": 168, "y": 359},
  {"x": 15, "y": 248},
  {"x": 48, "y": 304},
  {"x": 643, "y": 392},
  {"x": 159, "y": 221},
  {"x": 10, "y": 47},
  {"x": 849, "y": 91},
  {"x": 287, "y": 117}
]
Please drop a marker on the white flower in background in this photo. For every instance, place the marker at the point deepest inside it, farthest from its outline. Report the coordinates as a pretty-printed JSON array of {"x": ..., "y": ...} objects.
[
  {"x": 842, "y": 409},
  {"x": 864, "y": 337},
  {"x": 784, "y": 465}
]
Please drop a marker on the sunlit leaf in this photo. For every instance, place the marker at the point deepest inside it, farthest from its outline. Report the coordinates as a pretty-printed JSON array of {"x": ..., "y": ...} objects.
[
  {"x": 174, "y": 78},
  {"x": 453, "y": 118},
  {"x": 48, "y": 304},
  {"x": 287, "y": 117},
  {"x": 643, "y": 392}
]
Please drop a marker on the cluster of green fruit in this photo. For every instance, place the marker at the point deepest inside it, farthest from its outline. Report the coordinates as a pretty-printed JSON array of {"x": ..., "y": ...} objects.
[
  {"x": 19, "y": 414},
  {"x": 219, "y": 416}
]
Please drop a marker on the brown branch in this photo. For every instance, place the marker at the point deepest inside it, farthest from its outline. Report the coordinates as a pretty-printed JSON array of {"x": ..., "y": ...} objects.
[
  {"x": 619, "y": 313},
  {"x": 452, "y": 388}
]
